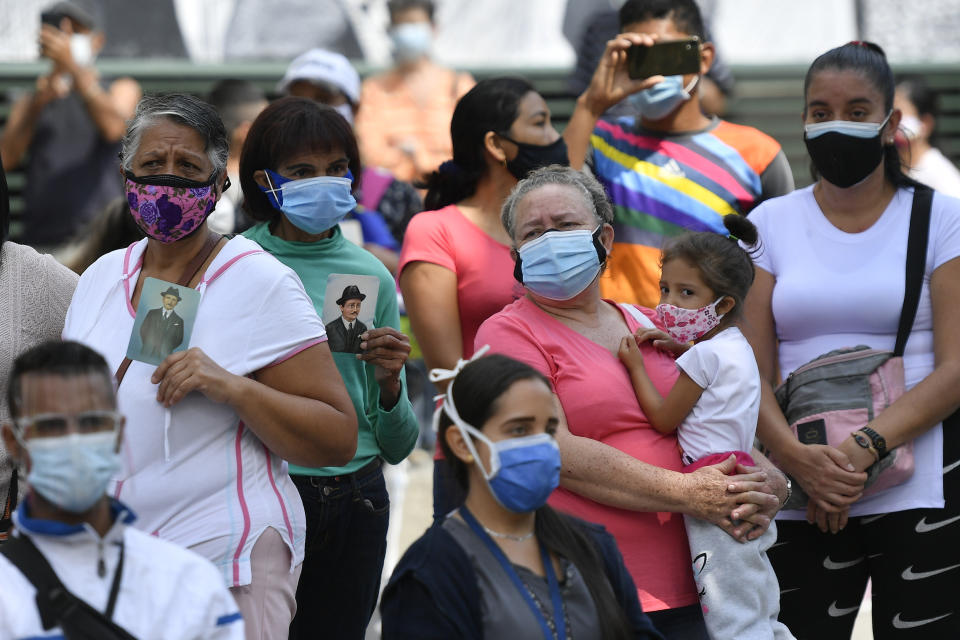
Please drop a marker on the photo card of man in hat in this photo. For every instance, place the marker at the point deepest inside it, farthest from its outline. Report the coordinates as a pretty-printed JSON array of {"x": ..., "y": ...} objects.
[
  {"x": 165, "y": 318},
  {"x": 349, "y": 304}
]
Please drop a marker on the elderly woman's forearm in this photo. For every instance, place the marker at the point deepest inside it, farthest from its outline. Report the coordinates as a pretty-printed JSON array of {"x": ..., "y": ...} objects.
[
  {"x": 301, "y": 430},
  {"x": 606, "y": 475}
]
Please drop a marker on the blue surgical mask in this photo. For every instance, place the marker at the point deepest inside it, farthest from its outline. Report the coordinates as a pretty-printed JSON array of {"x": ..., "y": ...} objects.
[
  {"x": 663, "y": 98},
  {"x": 72, "y": 471},
  {"x": 411, "y": 40},
  {"x": 523, "y": 471},
  {"x": 313, "y": 205},
  {"x": 559, "y": 265}
]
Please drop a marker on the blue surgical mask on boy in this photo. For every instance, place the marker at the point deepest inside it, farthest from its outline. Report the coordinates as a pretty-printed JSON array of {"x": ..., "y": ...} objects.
[
  {"x": 72, "y": 471},
  {"x": 313, "y": 205},
  {"x": 661, "y": 99},
  {"x": 559, "y": 265},
  {"x": 523, "y": 471}
]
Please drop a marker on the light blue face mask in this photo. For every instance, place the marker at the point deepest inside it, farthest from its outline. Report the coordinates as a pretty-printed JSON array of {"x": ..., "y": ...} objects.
[
  {"x": 313, "y": 205},
  {"x": 523, "y": 471},
  {"x": 663, "y": 98},
  {"x": 72, "y": 471},
  {"x": 559, "y": 265},
  {"x": 411, "y": 40}
]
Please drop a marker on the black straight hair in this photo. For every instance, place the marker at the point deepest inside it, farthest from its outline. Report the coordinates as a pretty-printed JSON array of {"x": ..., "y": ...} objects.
[
  {"x": 492, "y": 104},
  {"x": 63, "y": 358},
  {"x": 723, "y": 264},
  {"x": 685, "y": 15},
  {"x": 289, "y": 126},
  {"x": 476, "y": 391},
  {"x": 868, "y": 60}
]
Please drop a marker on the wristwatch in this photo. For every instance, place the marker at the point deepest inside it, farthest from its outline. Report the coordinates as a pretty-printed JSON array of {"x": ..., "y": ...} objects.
[
  {"x": 877, "y": 440},
  {"x": 866, "y": 443}
]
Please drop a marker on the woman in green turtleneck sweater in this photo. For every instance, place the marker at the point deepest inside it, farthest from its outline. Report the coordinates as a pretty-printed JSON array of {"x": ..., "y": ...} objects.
[{"x": 296, "y": 172}]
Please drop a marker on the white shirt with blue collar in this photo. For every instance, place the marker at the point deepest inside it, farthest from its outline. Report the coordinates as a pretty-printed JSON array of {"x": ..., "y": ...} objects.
[{"x": 165, "y": 590}]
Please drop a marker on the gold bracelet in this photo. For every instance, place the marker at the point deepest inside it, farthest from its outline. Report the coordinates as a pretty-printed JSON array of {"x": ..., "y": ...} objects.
[{"x": 865, "y": 442}]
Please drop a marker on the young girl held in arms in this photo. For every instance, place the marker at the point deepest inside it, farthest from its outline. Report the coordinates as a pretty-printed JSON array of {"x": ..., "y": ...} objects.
[{"x": 713, "y": 406}]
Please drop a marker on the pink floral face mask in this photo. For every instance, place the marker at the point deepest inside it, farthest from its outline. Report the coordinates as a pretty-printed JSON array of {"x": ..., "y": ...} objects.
[
  {"x": 169, "y": 207},
  {"x": 685, "y": 325}
]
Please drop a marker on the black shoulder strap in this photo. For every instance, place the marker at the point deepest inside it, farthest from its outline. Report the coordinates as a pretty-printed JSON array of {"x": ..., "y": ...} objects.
[
  {"x": 9, "y": 506},
  {"x": 56, "y": 605},
  {"x": 916, "y": 263}
]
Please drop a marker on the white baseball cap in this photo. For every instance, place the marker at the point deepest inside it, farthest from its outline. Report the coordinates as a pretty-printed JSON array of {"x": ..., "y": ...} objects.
[{"x": 322, "y": 66}]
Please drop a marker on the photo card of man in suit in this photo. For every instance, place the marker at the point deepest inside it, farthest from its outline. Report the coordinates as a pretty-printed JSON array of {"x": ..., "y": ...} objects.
[
  {"x": 349, "y": 304},
  {"x": 164, "y": 322}
]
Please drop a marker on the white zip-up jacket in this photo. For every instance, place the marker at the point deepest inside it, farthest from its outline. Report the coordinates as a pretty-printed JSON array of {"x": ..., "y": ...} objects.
[{"x": 165, "y": 591}]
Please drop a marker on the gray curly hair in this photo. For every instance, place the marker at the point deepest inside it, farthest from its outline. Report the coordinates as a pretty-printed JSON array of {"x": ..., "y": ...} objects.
[{"x": 591, "y": 190}]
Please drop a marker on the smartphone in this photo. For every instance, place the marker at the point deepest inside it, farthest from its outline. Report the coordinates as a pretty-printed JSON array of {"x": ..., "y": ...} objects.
[
  {"x": 52, "y": 18},
  {"x": 672, "y": 58}
]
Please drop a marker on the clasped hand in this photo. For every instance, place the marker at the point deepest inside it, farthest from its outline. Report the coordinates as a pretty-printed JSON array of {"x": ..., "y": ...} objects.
[
  {"x": 743, "y": 505},
  {"x": 387, "y": 349},
  {"x": 191, "y": 370}
]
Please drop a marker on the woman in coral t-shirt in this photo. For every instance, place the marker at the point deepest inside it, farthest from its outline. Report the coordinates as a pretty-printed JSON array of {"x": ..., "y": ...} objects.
[{"x": 455, "y": 265}]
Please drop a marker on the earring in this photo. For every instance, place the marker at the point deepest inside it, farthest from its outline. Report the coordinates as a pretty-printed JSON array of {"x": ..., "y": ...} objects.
[{"x": 469, "y": 459}]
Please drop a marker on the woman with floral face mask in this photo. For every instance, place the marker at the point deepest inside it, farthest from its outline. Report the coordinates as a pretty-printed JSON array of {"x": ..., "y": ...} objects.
[
  {"x": 212, "y": 427},
  {"x": 832, "y": 275},
  {"x": 297, "y": 169},
  {"x": 505, "y": 564},
  {"x": 619, "y": 471}
]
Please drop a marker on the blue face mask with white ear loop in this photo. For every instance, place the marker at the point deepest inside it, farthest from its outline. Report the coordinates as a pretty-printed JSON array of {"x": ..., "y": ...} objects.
[{"x": 313, "y": 205}]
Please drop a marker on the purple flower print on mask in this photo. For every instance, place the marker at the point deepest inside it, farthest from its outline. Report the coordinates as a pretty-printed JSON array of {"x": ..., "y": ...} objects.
[
  {"x": 170, "y": 213},
  {"x": 148, "y": 212},
  {"x": 168, "y": 207}
]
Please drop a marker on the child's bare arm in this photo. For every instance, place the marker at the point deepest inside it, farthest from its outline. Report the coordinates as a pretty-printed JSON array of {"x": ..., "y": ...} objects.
[{"x": 665, "y": 414}]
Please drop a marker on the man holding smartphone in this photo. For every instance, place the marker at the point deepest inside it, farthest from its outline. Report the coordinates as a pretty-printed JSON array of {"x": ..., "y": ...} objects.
[
  {"x": 68, "y": 129},
  {"x": 672, "y": 168}
]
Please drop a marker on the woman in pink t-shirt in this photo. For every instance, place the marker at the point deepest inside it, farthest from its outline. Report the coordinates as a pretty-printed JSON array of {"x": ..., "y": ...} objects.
[
  {"x": 455, "y": 265},
  {"x": 617, "y": 469}
]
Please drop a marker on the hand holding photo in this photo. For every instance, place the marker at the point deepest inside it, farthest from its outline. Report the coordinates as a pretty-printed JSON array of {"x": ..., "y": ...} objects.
[
  {"x": 348, "y": 309},
  {"x": 164, "y": 322}
]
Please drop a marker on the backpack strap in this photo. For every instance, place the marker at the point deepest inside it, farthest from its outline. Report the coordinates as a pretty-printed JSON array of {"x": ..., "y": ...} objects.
[
  {"x": 638, "y": 316},
  {"x": 56, "y": 605},
  {"x": 917, "y": 241},
  {"x": 189, "y": 272}
]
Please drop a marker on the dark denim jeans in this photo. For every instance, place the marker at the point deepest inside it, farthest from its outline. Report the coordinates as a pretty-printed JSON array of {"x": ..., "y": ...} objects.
[{"x": 347, "y": 519}]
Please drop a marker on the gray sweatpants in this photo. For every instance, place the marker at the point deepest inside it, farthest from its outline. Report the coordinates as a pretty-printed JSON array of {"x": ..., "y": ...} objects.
[{"x": 738, "y": 589}]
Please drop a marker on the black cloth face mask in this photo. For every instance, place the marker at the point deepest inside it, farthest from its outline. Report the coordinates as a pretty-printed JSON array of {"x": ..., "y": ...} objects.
[
  {"x": 844, "y": 152},
  {"x": 531, "y": 157}
]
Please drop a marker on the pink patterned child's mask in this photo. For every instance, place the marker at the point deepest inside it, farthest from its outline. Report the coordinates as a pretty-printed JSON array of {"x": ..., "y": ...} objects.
[
  {"x": 685, "y": 325},
  {"x": 169, "y": 207}
]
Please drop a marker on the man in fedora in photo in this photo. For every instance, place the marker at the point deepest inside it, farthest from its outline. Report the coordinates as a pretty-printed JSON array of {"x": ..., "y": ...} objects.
[
  {"x": 344, "y": 333},
  {"x": 162, "y": 329}
]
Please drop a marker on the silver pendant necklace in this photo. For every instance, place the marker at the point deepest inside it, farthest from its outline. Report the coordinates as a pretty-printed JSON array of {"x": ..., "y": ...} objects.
[{"x": 508, "y": 536}]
